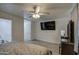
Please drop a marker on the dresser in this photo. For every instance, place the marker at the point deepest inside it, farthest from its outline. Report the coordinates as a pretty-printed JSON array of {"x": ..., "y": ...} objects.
[{"x": 67, "y": 48}]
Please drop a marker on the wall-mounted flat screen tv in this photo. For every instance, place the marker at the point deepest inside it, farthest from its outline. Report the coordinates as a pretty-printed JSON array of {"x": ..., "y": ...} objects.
[{"x": 49, "y": 25}]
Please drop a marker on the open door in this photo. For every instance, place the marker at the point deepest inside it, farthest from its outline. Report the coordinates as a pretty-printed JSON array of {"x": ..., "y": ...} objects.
[{"x": 27, "y": 30}]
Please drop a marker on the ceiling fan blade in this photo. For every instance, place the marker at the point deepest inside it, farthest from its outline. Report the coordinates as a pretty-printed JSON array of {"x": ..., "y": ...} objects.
[
  {"x": 44, "y": 13},
  {"x": 30, "y": 16},
  {"x": 31, "y": 12}
]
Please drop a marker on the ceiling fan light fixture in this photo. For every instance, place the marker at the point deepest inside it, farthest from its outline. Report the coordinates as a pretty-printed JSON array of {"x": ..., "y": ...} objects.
[{"x": 36, "y": 16}]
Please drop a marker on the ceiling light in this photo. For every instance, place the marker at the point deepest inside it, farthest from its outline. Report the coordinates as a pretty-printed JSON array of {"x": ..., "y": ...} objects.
[{"x": 36, "y": 16}]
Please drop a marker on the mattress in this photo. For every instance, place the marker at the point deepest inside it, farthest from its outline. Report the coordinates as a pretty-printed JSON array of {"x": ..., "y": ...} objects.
[{"x": 23, "y": 49}]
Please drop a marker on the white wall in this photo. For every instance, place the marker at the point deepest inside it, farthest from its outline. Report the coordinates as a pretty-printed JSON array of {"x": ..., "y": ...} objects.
[
  {"x": 33, "y": 30},
  {"x": 74, "y": 18},
  {"x": 52, "y": 36},
  {"x": 78, "y": 27}
]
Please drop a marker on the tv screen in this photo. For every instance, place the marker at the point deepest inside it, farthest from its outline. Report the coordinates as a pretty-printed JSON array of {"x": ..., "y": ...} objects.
[{"x": 49, "y": 25}]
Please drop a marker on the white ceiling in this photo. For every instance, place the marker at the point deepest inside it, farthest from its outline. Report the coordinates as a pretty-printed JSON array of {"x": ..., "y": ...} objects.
[{"x": 56, "y": 10}]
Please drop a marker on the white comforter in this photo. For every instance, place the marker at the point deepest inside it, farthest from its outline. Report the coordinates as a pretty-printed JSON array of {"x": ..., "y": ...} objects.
[{"x": 22, "y": 49}]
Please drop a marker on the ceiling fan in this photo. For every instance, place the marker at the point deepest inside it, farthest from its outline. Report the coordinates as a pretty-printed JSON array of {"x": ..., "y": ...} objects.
[{"x": 36, "y": 12}]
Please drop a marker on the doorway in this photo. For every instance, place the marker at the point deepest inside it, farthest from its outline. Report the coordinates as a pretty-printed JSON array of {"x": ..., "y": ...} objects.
[{"x": 27, "y": 30}]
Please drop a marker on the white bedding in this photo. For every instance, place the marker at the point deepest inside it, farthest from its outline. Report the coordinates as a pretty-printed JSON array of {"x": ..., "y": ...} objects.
[{"x": 22, "y": 49}]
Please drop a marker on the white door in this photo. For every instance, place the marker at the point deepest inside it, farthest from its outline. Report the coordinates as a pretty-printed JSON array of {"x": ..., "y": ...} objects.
[{"x": 27, "y": 30}]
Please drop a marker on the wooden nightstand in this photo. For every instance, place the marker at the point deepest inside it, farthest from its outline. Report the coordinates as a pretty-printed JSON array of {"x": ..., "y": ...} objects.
[{"x": 67, "y": 49}]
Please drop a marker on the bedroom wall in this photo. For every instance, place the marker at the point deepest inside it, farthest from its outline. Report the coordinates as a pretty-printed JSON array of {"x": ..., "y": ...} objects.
[
  {"x": 17, "y": 26},
  {"x": 52, "y": 36},
  {"x": 75, "y": 19},
  {"x": 78, "y": 27},
  {"x": 33, "y": 30}
]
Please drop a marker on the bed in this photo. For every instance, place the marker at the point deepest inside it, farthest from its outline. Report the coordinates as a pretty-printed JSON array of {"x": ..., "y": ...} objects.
[{"x": 23, "y": 49}]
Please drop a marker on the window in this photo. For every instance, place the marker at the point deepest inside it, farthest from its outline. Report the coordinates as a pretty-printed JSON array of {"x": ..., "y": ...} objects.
[{"x": 5, "y": 30}]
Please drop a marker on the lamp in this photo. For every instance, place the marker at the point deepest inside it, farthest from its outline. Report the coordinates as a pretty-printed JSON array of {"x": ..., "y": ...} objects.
[{"x": 62, "y": 32}]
